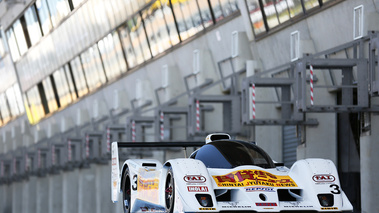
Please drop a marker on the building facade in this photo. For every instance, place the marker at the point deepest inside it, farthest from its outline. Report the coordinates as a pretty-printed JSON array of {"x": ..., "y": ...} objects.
[{"x": 296, "y": 76}]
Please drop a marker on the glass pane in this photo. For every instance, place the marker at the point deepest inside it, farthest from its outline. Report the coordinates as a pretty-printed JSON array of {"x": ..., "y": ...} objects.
[
  {"x": 70, "y": 81},
  {"x": 109, "y": 57},
  {"x": 58, "y": 10},
  {"x": 44, "y": 16},
  {"x": 217, "y": 10},
  {"x": 295, "y": 8},
  {"x": 63, "y": 89},
  {"x": 49, "y": 92},
  {"x": 35, "y": 104},
  {"x": 2, "y": 46},
  {"x": 282, "y": 10},
  {"x": 226, "y": 7},
  {"x": 118, "y": 51},
  {"x": 20, "y": 37},
  {"x": 134, "y": 32},
  {"x": 18, "y": 96},
  {"x": 256, "y": 16},
  {"x": 12, "y": 101},
  {"x": 32, "y": 25},
  {"x": 13, "y": 44},
  {"x": 170, "y": 22},
  {"x": 80, "y": 80},
  {"x": 193, "y": 17},
  {"x": 5, "y": 113},
  {"x": 76, "y": 3},
  {"x": 93, "y": 68},
  {"x": 309, "y": 4},
  {"x": 180, "y": 19},
  {"x": 270, "y": 11},
  {"x": 205, "y": 13},
  {"x": 128, "y": 48},
  {"x": 156, "y": 29},
  {"x": 234, "y": 5}
]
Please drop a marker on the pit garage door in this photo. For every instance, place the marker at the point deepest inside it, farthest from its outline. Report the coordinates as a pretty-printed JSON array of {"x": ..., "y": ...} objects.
[{"x": 291, "y": 139}]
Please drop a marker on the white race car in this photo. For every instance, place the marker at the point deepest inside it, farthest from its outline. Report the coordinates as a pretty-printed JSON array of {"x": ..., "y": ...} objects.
[{"x": 225, "y": 175}]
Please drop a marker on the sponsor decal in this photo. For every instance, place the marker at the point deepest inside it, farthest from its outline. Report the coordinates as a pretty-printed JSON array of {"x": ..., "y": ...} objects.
[
  {"x": 243, "y": 178},
  {"x": 197, "y": 188},
  {"x": 266, "y": 204},
  {"x": 207, "y": 208},
  {"x": 296, "y": 205},
  {"x": 260, "y": 189},
  {"x": 194, "y": 179},
  {"x": 323, "y": 178},
  {"x": 235, "y": 205},
  {"x": 148, "y": 209},
  {"x": 329, "y": 208},
  {"x": 147, "y": 185}
]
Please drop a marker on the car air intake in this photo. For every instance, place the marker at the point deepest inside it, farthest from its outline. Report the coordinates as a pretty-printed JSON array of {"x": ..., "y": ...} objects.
[
  {"x": 223, "y": 195},
  {"x": 290, "y": 194}
]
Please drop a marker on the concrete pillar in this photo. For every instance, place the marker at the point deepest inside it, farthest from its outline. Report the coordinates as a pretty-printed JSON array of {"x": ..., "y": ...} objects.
[
  {"x": 17, "y": 200},
  {"x": 103, "y": 186},
  {"x": 42, "y": 193},
  {"x": 30, "y": 195},
  {"x": 55, "y": 193},
  {"x": 87, "y": 190},
  {"x": 369, "y": 146},
  {"x": 6, "y": 198},
  {"x": 70, "y": 189}
]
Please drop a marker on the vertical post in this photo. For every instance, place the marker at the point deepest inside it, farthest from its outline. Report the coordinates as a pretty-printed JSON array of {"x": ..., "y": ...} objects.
[
  {"x": 133, "y": 131},
  {"x": 162, "y": 125},
  {"x": 311, "y": 83},
  {"x": 69, "y": 150},
  {"x": 253, "y": 99},
  {"x": 108, "y": 140},
  {"x": 87, "y": 146},
  {"x": 197, "y": 115}
]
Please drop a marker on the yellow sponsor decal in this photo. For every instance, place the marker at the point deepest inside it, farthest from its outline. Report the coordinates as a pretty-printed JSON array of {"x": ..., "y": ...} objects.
[
  {"x": 207, "y": 208},
  {"x": 329, "y": 208},
  {"x": 148, "y": 185},
  {"x": 243, "y": 178}
]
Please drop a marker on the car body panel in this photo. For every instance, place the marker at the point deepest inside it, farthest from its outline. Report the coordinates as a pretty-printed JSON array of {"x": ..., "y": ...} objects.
[{"x": 309, "y": 185}]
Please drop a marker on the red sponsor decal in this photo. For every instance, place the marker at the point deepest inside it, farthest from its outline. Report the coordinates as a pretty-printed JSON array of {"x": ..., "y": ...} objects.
[
  {"x": 266, "y": 204},
  {"x": 197, "y": 188},
  {"x": 323, "y": 178},
  {"x": 194, "y": 178}
]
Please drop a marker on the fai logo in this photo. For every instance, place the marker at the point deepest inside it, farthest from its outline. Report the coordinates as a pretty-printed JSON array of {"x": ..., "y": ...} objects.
[
  {"x": 323, "y": 178},
  {"x": 194, "y": 179}
]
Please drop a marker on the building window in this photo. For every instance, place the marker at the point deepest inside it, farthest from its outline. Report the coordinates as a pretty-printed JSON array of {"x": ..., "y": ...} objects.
[
  {"x": 20, "y": 37},
  {"x": 156, "y": 29},
  {"x": 58, "y": 10},
  {"x": 62, "y": 86},
  {"x": 265, "y": 15},
  {"x": 92, "y": 67},
  {"x": 44, "y": 16},
  {"x": 34, "y": 105},
  {"x": 111, "y": 54},
  {"x": 78, "y": 76},
  {"x": 138, "y": 39},
  {"x": 13, "y": 95},
  {"x": 131, "y": 57},
  {"x": 170, "y": 22},
  {"x": 4, "y": 108},
  {"x": 33, "y": 26},
  {"x": 48, "y": 88}
]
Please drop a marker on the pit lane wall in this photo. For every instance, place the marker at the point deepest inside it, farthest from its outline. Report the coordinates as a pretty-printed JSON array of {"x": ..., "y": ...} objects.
[{"x": 86, "y": 188}]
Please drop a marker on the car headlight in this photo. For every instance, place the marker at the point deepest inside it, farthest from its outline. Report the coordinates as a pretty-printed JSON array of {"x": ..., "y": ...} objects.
[
  {"x": 205, "y": 200},
  {"x": 326, "y": 200}
]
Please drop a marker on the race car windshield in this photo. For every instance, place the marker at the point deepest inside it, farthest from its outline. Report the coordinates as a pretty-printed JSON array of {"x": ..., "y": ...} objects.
[{"x": 230, "y": 154}]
